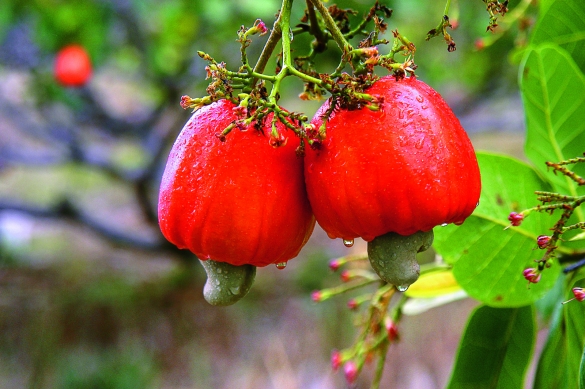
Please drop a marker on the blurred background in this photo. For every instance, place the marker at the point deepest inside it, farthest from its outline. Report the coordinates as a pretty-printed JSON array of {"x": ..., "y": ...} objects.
[{"x": 92, "y": 296}]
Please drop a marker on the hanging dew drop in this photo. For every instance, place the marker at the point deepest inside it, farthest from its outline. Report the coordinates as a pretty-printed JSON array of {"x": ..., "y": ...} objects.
[
  {"x": 281, "y": 265},
  {"x": 348, "y": 242},
  {"x": 402, "y": 288}
]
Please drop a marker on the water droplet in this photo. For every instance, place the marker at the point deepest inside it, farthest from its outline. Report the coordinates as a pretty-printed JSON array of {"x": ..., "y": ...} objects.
[
  {"x": 402, "y": 288},
  {"x": 444, "y": 224},
  {"x": 477, "y": 205},
  {"x": 382, "y": 263},
  {"x": 348, "y": 242},
  {"x": 235, "y": 290},
  {"x": 281, "y": 265},
  {"x": 420, "y": 99},
  {"x": 419, "y": 143}
]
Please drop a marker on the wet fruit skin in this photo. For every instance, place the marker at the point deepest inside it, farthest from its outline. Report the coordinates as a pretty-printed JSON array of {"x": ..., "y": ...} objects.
[
  {"x": 408, "y": 167},
  {"x": 72, "y": 66},
  {"x": 241, "y": 201}
]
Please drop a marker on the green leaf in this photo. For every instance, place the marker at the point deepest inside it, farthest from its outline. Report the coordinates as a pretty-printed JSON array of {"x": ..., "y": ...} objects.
[
  {"x": 553, "y": 92},
  {"x": 562, "y": 22},
  {"x": 582, "y": 371},
  {"x": 560, "y": 360},
  {"x": 551, "y": 368},
  {"x": 488, "y": 260},
  {"x": 580, "y": 236},
  {"x": 495, "y": 349}
]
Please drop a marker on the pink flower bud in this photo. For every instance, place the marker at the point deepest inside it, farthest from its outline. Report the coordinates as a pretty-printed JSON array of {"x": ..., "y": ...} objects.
[
  {"x": 391, "y": 329},
  {"x": 345, "y": 276},
  {"x": 336, "y": 360},
  {"x": 352, "y": 304},
  {"x": 532, "y": 275},
  {"x": 542, "y": 241},
  {"x": 261, "y": 27},
  {"x": 351, "y": 371},
  {"x": 316, "y": 296},
  {"x": 515, "y": 218},
  {"x": 334, "y": 264},
  {"x": 579, "y": 294},
  {"x": 186, "y": 102}
]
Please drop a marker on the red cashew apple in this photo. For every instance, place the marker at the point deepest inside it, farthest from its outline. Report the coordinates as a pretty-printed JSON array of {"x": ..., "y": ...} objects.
[
  {"x": 241, "y": 201},
  {"x": 403, "y": 169},
  {"x": 72, "y": 66}
]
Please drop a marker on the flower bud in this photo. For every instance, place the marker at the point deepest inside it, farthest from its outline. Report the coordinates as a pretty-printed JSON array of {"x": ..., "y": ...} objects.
[
  {"x": 351, "y": 371},
  {"x": 261, "y": 27},
  {"x": 316, "y": 296},
  {"x": 515, "y": 218},
  {"x": 352, "y": 304},
  {"x": 336, "y": 360},
  {"x": 532, "y": 275},
  {"x": 391, "y": 329},
  {"x": 345, "y": 276},
  {"x": 542, "y": 241},
  {"x": 334, "y": 264},
  {"x": 579, "y": 294}
]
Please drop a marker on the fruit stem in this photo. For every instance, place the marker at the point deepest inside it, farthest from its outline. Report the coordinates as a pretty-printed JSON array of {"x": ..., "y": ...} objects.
[
  {"x": 335, "y": 32},
  {"x": 273, "y": 38},
  {"x": 283, "y": 24}
]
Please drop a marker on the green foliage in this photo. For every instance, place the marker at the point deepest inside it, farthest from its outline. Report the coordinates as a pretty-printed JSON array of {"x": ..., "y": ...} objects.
[
  {"x": 495, "y": 349},
  {"x": 562, "y": 22},
  {"x": 552, "y": 90},
  {"x": 559, "y": 363},
  {"x": 488, "y": 259},
  {"x": 582, "y": 372}
]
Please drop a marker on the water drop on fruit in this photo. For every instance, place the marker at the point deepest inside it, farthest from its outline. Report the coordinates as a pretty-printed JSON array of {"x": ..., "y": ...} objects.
[
  {"x": 281, "y": 265},
  {"x": 402, "y": 288},
  {"x": 444, "y": 224},
  {"x": 420, "y": 99},
  {"x": 348, "y": 242},
  {"x": 419, "y": 143}
]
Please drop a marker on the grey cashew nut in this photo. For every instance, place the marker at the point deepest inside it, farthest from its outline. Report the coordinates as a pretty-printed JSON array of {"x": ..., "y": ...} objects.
[
  {"x": 393, "y": 256},
  {"x": 226, "y": 284}
]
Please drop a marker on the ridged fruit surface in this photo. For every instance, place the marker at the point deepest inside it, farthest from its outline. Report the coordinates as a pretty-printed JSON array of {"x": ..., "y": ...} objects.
[
  {"x": 408, "y": 167},
  {"x": 72, "y": 66},
  {"x": 241, "y": 201}
]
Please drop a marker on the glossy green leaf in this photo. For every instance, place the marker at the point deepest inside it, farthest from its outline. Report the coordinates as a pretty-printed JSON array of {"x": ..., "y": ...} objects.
[
  {"x": 559, "y": 363},
  {"x": 562, "y": 22},
  {"x": 553, "y": 92},
  {"x": 495, "y": 349},
  {"x": 488, "y": 260}
]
